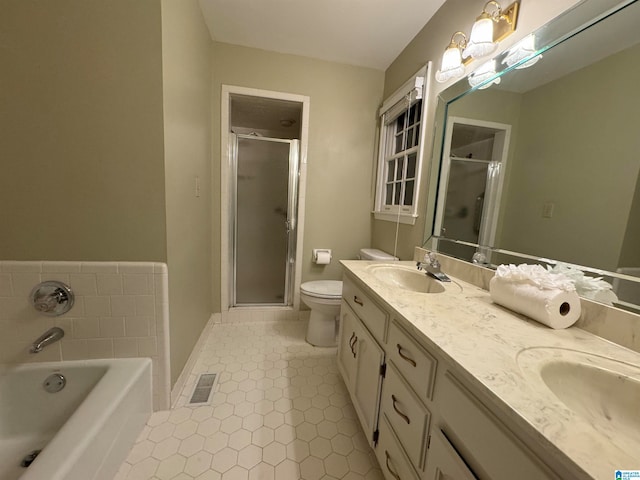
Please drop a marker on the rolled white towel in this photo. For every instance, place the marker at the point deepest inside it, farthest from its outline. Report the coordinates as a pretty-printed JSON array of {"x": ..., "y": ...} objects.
[{"x": 530, "y": 290}]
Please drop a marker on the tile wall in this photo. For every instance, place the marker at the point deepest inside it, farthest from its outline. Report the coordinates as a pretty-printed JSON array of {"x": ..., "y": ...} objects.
[{"x": 121, "y": 310}]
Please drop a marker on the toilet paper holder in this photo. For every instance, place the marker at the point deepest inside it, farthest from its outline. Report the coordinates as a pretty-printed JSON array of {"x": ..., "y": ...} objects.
[{"x": 322, "y": 256}]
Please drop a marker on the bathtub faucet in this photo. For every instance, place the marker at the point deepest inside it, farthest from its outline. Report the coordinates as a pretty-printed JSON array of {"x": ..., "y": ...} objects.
[{"x": 52, "y": 335}]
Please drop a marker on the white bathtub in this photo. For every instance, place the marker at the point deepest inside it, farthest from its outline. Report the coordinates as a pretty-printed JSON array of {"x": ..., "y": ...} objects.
[{"x": 85, "y": 430}]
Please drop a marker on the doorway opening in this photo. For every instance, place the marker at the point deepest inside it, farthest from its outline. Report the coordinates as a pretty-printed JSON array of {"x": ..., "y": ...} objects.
[
  {"x": 470, "y": 187},
  {"x": 264, "y": 138}
]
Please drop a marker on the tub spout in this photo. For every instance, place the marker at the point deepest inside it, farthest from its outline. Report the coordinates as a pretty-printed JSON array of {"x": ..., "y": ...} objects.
[{"x": 52, "y": 335}]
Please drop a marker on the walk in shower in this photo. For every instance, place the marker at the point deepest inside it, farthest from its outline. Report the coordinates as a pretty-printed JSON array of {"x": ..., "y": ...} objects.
[{"x": 264, "y": 172}]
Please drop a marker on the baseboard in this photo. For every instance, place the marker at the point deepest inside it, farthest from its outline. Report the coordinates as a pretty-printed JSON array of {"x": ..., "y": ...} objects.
[{"x": 184, "y": 375}]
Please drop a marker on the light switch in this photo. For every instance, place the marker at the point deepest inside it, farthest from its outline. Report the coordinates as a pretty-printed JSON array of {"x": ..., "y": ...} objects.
[
  {"x": 547, "y": 209},
  {"x": 197, "y": 186}
]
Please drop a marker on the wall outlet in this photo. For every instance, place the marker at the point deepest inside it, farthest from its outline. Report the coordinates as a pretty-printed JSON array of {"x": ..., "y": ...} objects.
[{"x": 547, "y": 209}]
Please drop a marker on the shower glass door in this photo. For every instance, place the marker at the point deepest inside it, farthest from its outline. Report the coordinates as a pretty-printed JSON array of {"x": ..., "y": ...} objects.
[{"x": 265, "y": 187}]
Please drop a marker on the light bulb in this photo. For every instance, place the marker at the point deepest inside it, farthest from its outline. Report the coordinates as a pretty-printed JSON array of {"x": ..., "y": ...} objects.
[
  {"x": 451, "y": 66},
  {"x": 481, "y": 39}
]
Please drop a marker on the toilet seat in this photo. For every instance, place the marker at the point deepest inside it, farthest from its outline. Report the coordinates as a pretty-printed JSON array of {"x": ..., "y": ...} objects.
[{"x": 329, "y": 289}]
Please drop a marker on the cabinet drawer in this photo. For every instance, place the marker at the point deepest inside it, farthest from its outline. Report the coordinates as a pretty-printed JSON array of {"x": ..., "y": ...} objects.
[
  {"x": 490, "y": 449},
  {"x": 413, "y": 361},
  {"x": 371, "y": 314},
  {"x": 444, "y": 462},
  {"x": 407, "y": 416},
  {"x": 393, "y": 462}
]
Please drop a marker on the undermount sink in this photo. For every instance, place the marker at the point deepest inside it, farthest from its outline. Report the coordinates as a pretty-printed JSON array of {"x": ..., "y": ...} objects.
[
  {"x": 406, "y": 278},
  {"x": 601, "y": 390}
]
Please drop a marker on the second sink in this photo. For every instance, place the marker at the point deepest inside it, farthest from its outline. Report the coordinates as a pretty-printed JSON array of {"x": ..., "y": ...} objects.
[{"x": 601, "y": 390}]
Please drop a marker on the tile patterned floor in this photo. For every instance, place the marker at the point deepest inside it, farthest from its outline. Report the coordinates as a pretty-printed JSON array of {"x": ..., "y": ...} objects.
[{"x": 281, "y": 411}]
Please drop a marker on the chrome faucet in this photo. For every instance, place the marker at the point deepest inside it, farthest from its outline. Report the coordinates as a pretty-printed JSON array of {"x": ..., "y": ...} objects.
[
  {"x": 52, "y": 335},
  {"x": 431, "y": 266}
]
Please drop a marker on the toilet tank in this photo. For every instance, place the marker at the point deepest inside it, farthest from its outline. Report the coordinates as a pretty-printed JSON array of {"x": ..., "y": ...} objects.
[{"x": 375, "y": 254}]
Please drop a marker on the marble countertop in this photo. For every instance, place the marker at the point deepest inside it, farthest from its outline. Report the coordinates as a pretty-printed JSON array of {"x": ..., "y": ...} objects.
[{"x": 482, "y": 342}]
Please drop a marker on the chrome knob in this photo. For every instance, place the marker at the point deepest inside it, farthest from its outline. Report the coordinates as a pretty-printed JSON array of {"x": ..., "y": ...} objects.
[{"x": 52, "y": 298}]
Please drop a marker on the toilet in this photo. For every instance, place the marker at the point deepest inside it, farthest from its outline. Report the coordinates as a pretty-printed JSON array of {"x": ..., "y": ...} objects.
[
  {"x": 376, "y": 255},
  {"x": 323, "y": 297}
]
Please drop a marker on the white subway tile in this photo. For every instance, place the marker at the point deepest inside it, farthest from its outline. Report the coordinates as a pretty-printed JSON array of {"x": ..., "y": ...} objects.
[
  {"x": 59, "y": 277},
  {"x": 28, "y": 331},
  {"x": 137, "y": 284},
  {"x": 100, "y": 348},
  {"x": 123, "y": 305},
  {"x": 73, "y": 349},
  {"x": 77, "y": 310},
  {"x": 23, "y": 283},
  {"x": 12, "y": 307},
  {"x": 65, "y": 324},
  {"x": 51, "y": 353},
  {"x": 109, "y": 283},
  {"x": 60, "y": 267},
  {"x": 144, "y": 305},
  {"x": 11, "y": 266},
  {"x": 88, "y": 327},
  {"x": 137, "y": 326},
  {"x": 135, "y": 267},
  {"x": 125, "y": 347},
  {"x": 147, "y": 347},
  {"x": 105, "y": 293},
  {"x": 6, "y": 287},
  {"x": 99, "y": 267},
  {"x": 160, "y": 268},
  {"x": 83, "y": 283},
  {"x": 97, "y": 306},
  {"x": 111, "y": 327}
]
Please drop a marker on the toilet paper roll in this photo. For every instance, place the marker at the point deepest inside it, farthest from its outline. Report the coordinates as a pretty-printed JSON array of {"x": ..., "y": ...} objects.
[
  {"x": 555, "y": 308},
  {"x": 323, "y": 258}
]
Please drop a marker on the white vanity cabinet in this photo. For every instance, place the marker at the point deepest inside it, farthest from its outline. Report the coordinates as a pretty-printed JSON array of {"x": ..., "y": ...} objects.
[
  {"x": 423, "y": 423},
  {"x": 489, "y": 448},
  {"x": 360, "y": 359}
]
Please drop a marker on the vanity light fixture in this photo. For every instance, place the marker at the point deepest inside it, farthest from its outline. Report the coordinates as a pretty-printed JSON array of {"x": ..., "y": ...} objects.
[
  {"x": 452, "y": 65},
  {"x": 483, "y": 73},
  {"x": 521, "y": 50},
  {"x": 492, "y": 26}
]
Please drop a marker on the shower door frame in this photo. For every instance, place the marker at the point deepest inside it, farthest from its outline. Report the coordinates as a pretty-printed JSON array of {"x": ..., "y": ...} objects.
[
  {"x": 290, "y": 222},
  {"x": 223, "y": 282},
  {"x": 497, "y": 168}
]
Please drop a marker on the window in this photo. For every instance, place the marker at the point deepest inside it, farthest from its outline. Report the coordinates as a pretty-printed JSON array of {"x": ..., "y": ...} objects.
[{"x": 400, "y": 152}]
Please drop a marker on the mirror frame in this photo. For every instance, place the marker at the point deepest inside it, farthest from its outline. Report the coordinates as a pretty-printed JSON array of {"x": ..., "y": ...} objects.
[{"x": 566, "y": 25}]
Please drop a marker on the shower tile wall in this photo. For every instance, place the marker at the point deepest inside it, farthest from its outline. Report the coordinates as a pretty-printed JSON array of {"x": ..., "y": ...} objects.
[{"x": 121, "y": 310}]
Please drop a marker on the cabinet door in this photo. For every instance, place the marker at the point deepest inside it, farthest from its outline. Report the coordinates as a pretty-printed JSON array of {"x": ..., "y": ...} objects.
[
  {"x": 346, "y": 347},
  {"x": 444, "y": 463},
  {"x": 368, "y": 380}
]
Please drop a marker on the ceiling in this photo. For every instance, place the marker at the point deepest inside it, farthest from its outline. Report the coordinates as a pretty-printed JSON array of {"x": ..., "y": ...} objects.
[{"x": 368, "y": 33}]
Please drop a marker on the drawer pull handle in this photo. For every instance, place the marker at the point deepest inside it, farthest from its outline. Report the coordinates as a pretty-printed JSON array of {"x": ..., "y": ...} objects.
[
  {"x": 404, "y": 416},
  {"x": 358, "y": 301},
  {"x": 404, "y": 357},
  {"x": 351, "y": 340},
  {"x": 394, "y": 474},
  {"x": 353, "y": 346}
]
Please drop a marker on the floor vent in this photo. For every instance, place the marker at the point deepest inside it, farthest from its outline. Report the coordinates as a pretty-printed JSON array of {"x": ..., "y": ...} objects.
[{"x": 204, "y": 389}]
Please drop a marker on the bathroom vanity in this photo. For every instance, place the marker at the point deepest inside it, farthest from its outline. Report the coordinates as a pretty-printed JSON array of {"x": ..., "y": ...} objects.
[{"x": 447, "y": 384}]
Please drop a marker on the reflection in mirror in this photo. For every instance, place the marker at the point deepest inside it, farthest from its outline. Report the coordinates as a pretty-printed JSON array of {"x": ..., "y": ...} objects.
[{"x": 547, "y": 161}]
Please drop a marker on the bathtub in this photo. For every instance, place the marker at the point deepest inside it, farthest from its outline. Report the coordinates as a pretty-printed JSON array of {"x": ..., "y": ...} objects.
[{"x": 85, "y": 430}]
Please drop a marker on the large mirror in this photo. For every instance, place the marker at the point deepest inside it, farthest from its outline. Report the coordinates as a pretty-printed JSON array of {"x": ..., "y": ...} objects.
[{"x": 542, "y": 160}]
